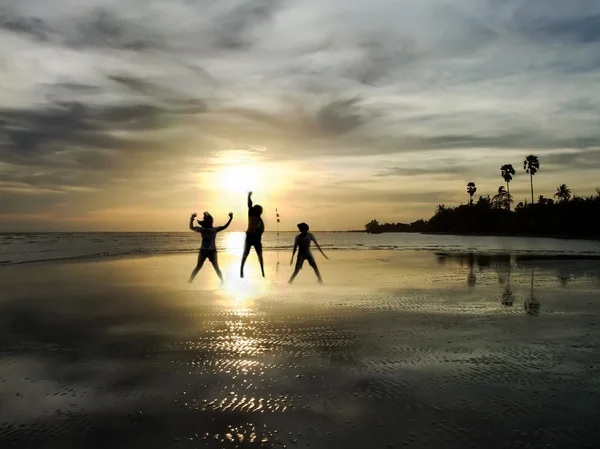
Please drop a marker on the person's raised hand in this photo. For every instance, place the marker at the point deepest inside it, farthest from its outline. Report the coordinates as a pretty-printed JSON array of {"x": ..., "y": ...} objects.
[
  {"x": 194, "y": 215},
  {"x": 230, "y": 214}
]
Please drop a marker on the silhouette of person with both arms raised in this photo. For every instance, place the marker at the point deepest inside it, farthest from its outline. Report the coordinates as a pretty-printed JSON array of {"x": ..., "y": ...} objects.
[
  {"x": 208, "y": 250},
  {"x": 254, "y": 233}
]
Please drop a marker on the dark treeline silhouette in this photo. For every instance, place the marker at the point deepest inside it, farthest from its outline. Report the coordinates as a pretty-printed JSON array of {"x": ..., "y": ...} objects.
[
  {"x": 575, "y": 217},
  {"x": 374, "y": 227},
  {"x": 564, "y": 216}
]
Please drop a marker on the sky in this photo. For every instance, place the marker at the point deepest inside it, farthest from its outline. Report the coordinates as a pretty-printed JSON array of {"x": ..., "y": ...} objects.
[{"x": 128, "y": 115}]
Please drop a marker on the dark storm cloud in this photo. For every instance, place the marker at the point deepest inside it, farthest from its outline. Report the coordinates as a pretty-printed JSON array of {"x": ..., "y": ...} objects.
[
  {"x": 177, "y": 101},
  {"x": 36, "y": 132},
  {"x": 341, "y": 116},
  {"x": 582, "y": 160},
  {"x": 100, "y": 28},
  {"x": 29, "y": 26},
  {"x": 581, "y": 29},
  {"x": 103, "y": 28},
  {"x": 447, "y": 169},
  {"x": 232, "y": 28},
  {"x": 528, "y": 140},
  {"x": 75, "y": 87},
  {"x": 73, "y": 147}
]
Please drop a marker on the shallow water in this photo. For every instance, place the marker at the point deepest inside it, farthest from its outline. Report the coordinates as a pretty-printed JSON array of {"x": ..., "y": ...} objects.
[
  {"x": 398, "y": 349},
  {"x": 20, "y": 248}
]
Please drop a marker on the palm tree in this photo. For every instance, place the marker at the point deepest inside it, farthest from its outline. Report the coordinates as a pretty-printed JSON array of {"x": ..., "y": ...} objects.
[
  {"x": 471, "y": 189},
  {"x": 563, "y": 193},
  {"x": 498, "y": 200},
  {"x": 507, "y": 171},
  {"x": 531, "y": 164}
]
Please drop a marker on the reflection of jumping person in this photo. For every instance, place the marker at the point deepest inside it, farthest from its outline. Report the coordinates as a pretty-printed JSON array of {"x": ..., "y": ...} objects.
[
  {"x": 254, "y": 233},
  {"x": 208, "y": 250},
  {"x": 302, "y": 243}
]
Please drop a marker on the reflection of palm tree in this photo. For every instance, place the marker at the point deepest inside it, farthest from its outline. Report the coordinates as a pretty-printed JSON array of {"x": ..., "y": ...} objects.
[
  {"x": 471, "y": 189},
  {"x": 507, "y": 171},
  {"x": 507, "y": 294},
  {"x": 532, "y": 306},
  {"x": 531, "y": 164},
  {"x": 564, "y": 280},
  {"x": 563, "y": 193},
  {"x": 472, "y": 277}
]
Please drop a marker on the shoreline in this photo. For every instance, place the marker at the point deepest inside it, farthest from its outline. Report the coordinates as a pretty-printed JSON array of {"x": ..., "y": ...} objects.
[{"x": 518, "y": 256}]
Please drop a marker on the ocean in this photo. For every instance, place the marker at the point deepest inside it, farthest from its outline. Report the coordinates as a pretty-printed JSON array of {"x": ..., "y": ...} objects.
[{"x": 18, "y": 248}]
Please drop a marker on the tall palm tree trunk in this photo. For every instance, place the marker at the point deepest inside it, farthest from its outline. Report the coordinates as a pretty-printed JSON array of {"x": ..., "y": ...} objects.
[
  {"x": 531, "y": 181},
  {"x": 508, "y": 193}
]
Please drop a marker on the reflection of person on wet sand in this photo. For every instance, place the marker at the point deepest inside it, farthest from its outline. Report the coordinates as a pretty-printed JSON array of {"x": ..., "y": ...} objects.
[
  {"x": 208, "y": 250},
  {"x": 254, "y": 233},
  {"x": 302, "y": 244}
]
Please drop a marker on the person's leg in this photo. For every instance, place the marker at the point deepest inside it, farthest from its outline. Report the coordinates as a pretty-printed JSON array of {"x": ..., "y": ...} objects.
[
  {"x": 215, "y": 262},
  {"x": 245, "y": 256},
  {"x": 313, "y": 264},
  {"x": 201, "y": 259},
  {"x": 299, "y": 263},
  {"x": 258, "y": 248}
]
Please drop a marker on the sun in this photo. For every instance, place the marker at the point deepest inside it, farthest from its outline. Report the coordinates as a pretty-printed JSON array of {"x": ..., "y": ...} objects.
[{"x": 240, "y": 178}]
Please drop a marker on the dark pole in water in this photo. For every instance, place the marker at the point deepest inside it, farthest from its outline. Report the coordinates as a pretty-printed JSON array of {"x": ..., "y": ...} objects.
[{"x": 278, "y": 220}]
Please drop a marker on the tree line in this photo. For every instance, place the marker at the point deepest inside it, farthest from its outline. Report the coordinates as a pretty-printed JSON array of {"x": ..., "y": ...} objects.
[{"x": 563, "y": 215}]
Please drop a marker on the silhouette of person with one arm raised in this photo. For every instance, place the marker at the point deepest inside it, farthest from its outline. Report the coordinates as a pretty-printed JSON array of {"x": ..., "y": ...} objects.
[
  {"x": 254, "y": 233},
  {"x": 208, "y": 250},
  {"x": 302, "y": 244}
]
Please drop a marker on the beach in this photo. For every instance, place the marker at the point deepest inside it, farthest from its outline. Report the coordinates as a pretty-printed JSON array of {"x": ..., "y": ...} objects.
[{"x": 397, "y": 349}]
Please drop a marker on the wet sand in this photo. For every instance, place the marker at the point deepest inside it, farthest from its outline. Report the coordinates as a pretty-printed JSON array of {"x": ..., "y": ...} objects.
[{"x": 396, "y": 350}]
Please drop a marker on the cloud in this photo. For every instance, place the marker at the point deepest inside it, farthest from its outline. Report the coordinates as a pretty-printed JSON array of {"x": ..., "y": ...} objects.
[
  {"x": 157, "y": 90},
  {"x": 447, "y": 170},
  {"x": 575, "y": 160}
]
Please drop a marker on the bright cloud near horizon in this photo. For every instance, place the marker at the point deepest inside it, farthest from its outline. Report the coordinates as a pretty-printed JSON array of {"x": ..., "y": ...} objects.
[{"x": 131, "y": 114}]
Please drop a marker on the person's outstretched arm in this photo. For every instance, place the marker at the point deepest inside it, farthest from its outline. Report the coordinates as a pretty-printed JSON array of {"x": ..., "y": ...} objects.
[
  {"x": 249, "y": 200},
  {"x": 294, "y": 252},
  {"x": 192, "y": 228},
  {"x": 319, "y": 247},
  {"x": 226, "y": 225}
]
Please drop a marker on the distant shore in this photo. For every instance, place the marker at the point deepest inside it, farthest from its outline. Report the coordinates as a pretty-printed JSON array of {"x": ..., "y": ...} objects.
[
  {"x": 491, "y": 234},
  {"x": 522, "y": 235}
]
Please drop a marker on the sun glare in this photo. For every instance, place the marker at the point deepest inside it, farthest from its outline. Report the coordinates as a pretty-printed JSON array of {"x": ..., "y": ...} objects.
[{"x": 240, "y": 178}]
